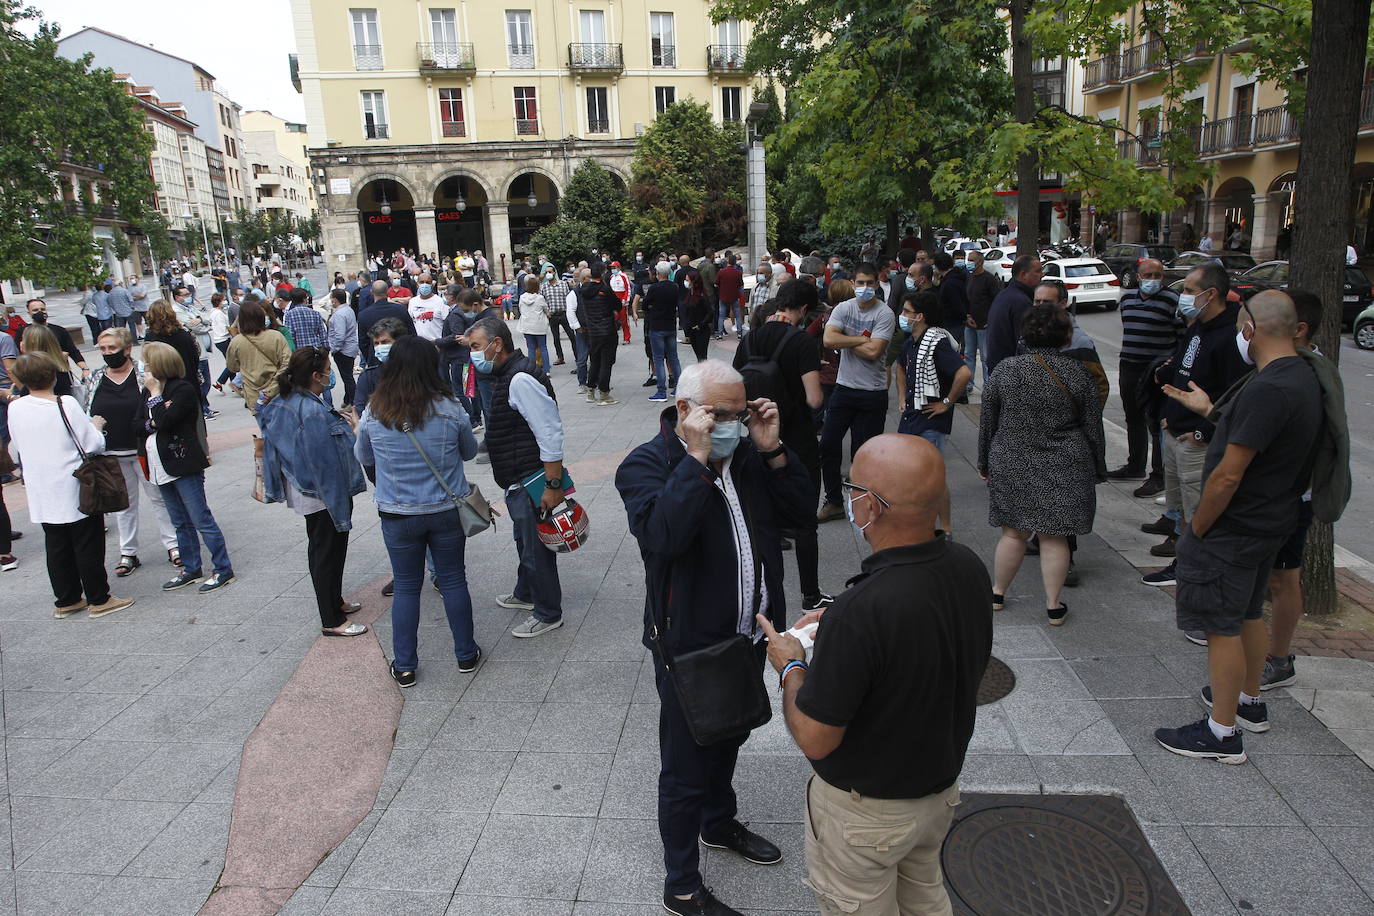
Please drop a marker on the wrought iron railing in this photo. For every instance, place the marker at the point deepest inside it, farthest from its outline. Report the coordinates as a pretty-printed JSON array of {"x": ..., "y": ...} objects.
[
  {"x": 521, "y": 57},
  {"x": 725, "y": 57},
  {"x": 455, "y": 128},
  {"x": 1102, "y": 72},
  {"x": 525, "y": 127},
  {"x": 594, "y": 56},
  {"x": 598, "y": 126},
  {"x": 446, "y": 56}
]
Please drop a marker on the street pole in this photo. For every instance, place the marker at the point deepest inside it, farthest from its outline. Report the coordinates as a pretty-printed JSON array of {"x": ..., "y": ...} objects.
[{"x": 756, "y": 184}]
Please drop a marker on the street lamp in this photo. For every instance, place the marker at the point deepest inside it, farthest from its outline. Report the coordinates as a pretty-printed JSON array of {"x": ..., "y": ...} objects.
[
  {"x": 461, "y": 205},
  {"x": 532, "y": 200},
  {"x": 386, "y": 204}
]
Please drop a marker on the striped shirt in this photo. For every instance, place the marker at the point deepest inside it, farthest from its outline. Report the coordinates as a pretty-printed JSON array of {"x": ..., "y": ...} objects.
[
  {"x": 1150, "y": 328},
  {"x": 307, "y": 327},
  {"x": 556, "y": 295}
]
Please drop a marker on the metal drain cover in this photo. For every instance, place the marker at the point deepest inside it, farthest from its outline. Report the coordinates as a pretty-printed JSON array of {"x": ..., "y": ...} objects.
[
  {"x": 1043, "y": 855},
  {"x": 998, "y": 681}
]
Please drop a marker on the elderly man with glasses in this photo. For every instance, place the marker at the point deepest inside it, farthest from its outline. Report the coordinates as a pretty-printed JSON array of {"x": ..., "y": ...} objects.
[{"x": 705, "y": 499}]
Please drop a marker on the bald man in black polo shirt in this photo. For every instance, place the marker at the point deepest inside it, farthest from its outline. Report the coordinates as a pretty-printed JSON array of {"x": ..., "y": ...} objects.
[{"x": 885, "y": 710}]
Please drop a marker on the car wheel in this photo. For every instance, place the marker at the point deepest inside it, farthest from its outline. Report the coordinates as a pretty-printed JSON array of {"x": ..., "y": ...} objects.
[
  {"x": 1364, "y": 335},
  {"x": 1128, "y": 279}
]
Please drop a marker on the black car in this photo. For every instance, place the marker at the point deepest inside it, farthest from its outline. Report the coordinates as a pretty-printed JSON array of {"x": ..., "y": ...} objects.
[
  {"x": 1235, "y": 263},
  {"x": 1355, "y": 297},
  {"x": 1123, "y": 258}
]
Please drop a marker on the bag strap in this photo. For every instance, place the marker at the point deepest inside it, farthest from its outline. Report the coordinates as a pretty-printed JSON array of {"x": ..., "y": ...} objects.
[
  {"x": 432, "y": 469},
  {"x": 70, "y": 431},
  {"x": 777, "y": 351},
  {"x": 1077, "y": 413}
]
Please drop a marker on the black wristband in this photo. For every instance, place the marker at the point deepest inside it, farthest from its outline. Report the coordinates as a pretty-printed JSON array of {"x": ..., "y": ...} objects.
[{"x": 775, "y": 453}]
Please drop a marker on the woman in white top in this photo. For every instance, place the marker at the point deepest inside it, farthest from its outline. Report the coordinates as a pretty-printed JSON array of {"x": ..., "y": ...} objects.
[
  {"x": 534, "y": 322},
  {"x": 48, "y": 435}
]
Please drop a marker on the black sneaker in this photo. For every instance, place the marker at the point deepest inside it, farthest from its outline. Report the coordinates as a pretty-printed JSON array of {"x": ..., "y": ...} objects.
[
  {"x": 1126, "y": 472},
  {"x": 389, "y": 589},
  {"x": 1152, "y": 487},
  {"x": 1196, "y": 740},
  {"x": 1058, "y": 614},
  {"x": 702, "y": 903},
  {"x": 650, "y": 382},
  {"x": 1163, "y": 526},
  {"x": 404, "y": 678},
  {"x": 470, "y": 665},
  {"x": 181, "y": 581},
  {"x": 817, "y": 601},
  {"x": 1196, "y": 637},
  {"x": 1253, "y": 717},
  {"x": 1161, "y": 578},
  {"x": 1278, "y": 672},
  {"x": 738, "y": 838}
]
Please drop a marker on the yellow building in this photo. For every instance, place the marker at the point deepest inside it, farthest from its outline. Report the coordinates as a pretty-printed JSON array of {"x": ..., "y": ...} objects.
[
  {"x": 1247, "y": 135},
  {"x": 455, "y": 124},
  {"x": 278, "y": 165}
]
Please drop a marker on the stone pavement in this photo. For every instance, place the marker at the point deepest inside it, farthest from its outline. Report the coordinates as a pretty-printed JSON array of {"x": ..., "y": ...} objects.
[{"x": 529, "y": 788}]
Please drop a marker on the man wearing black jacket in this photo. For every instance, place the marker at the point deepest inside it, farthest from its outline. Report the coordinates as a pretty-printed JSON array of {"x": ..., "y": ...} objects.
[
  {"x": 705, "y": 499},
  {"x": 953, "y": 292},
  {"x": 1009, "y": 307},
  {"x": 597, "y": 306},
  {"x": 982, "y": 287}
]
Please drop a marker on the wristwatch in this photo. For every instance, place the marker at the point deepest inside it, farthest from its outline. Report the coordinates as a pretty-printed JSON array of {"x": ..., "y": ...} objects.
[
  {"x": 553, "y": 484},
  {"x": 769, "y": 456},
  {"x": 946, "y": 401}
]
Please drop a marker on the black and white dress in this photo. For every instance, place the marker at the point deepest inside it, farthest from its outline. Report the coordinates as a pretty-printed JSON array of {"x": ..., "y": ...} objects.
[{"x": 1041, "y": 453}]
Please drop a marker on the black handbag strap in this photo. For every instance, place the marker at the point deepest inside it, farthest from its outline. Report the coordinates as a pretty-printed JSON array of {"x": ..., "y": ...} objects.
[{"x": 70, "y": 431}]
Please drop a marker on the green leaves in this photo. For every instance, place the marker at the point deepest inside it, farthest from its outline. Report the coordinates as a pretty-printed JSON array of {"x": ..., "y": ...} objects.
[{"x": 565, "y": 239}]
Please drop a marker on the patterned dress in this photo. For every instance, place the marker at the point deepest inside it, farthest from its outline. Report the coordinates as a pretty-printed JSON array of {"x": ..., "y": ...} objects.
[{"x": 1042, "y": 455}]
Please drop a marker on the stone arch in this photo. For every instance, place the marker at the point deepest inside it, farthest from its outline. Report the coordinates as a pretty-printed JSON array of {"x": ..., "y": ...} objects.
[
  {"x": 473, "y": 178},
  {"x": 621, "y": 175},
  {"x": 526, "y": 169},
  {"x": 364, "y": 182}
]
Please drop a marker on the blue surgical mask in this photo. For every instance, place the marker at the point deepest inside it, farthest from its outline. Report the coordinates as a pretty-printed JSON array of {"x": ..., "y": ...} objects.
[
  {"x": 329, "y": 385},
  {"x": 910, "y": 282},
  {"x": 382, "y": 351},
  {"x": 849, "y": 511},
  {"x": 426, "y": 289},
  {"x": 481, "y": 364},
  {"x": 1187, "y": 306},
  {"x": 1150, "y": 287},
  {"x": 725, "y": 438},
  {"x": 904, "y": 322},
  {"x": 761, "y": 277},
  {"x": 864, "y": 293}
]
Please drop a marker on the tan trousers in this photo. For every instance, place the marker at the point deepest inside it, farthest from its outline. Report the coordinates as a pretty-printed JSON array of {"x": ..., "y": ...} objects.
[
  {"x": 875, "y": 856},
  {"x": 1183, "y": 460}
]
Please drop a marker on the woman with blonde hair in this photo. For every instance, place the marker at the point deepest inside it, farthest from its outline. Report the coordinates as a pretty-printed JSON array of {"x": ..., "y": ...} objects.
[
  {"x": 38, "y": 339},
  {"x": 258, "y": 353},
  {"x": 178, "y": 455}
]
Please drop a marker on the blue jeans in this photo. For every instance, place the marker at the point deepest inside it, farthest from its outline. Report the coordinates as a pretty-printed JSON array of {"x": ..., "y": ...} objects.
[
  {"x": 484, "y": 393},
  {"x": 190, "y": 513},
  {"x": 407, "y": 538},
  {"x": 935, "y": 438},
  {"x": 723, "y": 312},
  {"x": 975, "y": 349},
  {"x": 539, "y": 343},
  {"x": 537, "y": 578},
  {"x": 664, "y": 344},
  {"x": 580, "y": 349}
]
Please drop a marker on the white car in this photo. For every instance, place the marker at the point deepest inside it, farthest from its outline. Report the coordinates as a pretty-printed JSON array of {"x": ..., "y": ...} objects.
[
  {"x": 956, "y": 247},
  {"x": 998, "y": 261},
  {"x": 1087, "y": 280}
]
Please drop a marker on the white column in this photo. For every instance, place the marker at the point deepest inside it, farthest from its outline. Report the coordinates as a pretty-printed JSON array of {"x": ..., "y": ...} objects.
[
  {"x": 426, "y": 234},
  {"x": 497, "y": 214}
]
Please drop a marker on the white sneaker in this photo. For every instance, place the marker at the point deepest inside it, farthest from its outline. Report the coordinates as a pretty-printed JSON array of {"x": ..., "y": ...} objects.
[
  {"x": 513, "y": 602},
  {"x": 1161, "y": 501},
  {"x": 533, "y": 627}
]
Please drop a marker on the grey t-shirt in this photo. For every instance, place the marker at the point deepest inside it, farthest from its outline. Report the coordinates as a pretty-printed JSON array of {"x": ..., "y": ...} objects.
[{"x": 878, "y": 320}]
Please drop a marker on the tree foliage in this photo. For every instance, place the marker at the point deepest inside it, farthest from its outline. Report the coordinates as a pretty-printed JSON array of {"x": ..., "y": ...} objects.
[
  {"x": 249, "y": 230},
  {"x": 566, "y": 239},
  {"x": 62, "y": 111},
  {"x": 309, "y": 228},
  {"x": 688, "y": 190},
  {"x": 595, "y": 199}
]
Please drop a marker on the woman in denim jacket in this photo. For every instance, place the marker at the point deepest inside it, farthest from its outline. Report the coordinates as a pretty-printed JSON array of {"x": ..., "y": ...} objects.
[
  {"x": 417, "y": 509},
  {"x": 307, "y": 462}
]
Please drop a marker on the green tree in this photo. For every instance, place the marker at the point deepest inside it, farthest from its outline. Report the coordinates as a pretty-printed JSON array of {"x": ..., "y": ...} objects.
[
  {"x": 309, "y": 228},
  {"x": 122, "y": 247},
  {"x": 565, "y": 239},
  {"x": 594, "y": 198},
  {"x": 689, "y": 183},
  {"x": 249, "y": 230},
  {"x": 69, "y": 113},
  {"x": 279, "y": 226}
]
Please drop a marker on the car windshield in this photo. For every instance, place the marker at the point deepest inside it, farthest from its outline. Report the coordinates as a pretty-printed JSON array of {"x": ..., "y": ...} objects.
[
  {"x": 1086, "y": 270},
  {"x": 1235, "y": 261},
  {"x": 967, "y": 246},
  {"x": 1163, "y": 252}
]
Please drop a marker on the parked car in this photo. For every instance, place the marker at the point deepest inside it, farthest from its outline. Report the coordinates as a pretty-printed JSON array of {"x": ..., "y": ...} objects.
[
  {"x": 954, "y": 246},
  {"x": 1088, "y": 281},
  {"x": 999, "y": 261},
  {"x": 1234, "y": 262},
  {"x": 1123, "y": 258},
  {"x": 1355, "y": 297},
  {"x": 1364, "y": 329}
]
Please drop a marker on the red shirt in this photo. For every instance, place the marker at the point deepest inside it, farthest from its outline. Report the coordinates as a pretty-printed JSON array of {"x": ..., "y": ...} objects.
[{"x": 729, "y": 283}]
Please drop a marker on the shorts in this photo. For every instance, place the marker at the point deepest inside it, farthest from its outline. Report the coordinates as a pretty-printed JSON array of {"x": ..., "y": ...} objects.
[
  {"x": 1222, "y": 580},
  {"x": 1290, "y": 554}
]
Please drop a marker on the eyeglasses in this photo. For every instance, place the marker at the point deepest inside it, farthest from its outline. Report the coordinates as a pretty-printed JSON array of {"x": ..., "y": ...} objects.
[
  {"x": 725, "y": 414},
  {"x": 850, "y": 487}
]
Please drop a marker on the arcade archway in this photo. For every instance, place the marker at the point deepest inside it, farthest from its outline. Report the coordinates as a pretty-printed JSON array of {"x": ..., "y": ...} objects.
[{"x": 386, "y": 210}]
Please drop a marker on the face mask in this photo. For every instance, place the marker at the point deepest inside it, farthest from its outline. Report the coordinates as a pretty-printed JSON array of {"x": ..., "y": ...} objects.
[
  {"x": 1243, "y": 346},
  {"x": 615, "y": 272},
  {"x": 1150, "y": 287},
  {"x": 904, "y": 322},
  {"x": 892, "y": 274},
  {"x": 762, "y": 278},
  {"x": 864, "y": 293},
  {"x": 425, "y": 290},
  {"x": 329, "y": 385},
  {"x": 382, "y": 351},
  {"x": 396, "y": 282},
  {"x": 835, "y": 266},
  {"x": 849, "y": 511},
  {"x": 115, "y": 360},
  {"x": 40, "y": 317},
  {"x": 910, "y": 282},
  {"x": 481, "y": 363},
  {"x": 820, "y": 284},
  {"x": 725, "y": 438},
  {"x": 1187, "y": 306}
]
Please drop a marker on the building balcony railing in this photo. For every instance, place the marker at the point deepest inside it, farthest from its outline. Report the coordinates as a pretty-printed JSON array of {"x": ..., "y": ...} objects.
[
  {"x": 455, "y": 128},
  {"x": 93, "y": 210},
  {"x": 725, "y": 58},
  {"x": 1141, "y": 60},
  {"x": 594, "y": 56},
  {"x": 520, "y": 57},
  {"x": 526, "y": 127},
  {"x": 1143, "y": 151},
  {"x": 662, "y": 55},
  {"x": 1275, "y": 125},
  {"x": 376, "y": 131},
  {"x": 367, "y": 57},
  {"x": 598, "y": 126},
  {"x": 446, "y": 57},
  {"x": 1103, "y": 73},
  {"x": 1227, "y": 135}
]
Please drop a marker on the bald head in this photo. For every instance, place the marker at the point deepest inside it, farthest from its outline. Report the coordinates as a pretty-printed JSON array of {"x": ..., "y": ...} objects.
[
  {"x": 1150, "y": 269},
  {"x": 909, "y": 474},
  {"x": 1273, "y": 313}
]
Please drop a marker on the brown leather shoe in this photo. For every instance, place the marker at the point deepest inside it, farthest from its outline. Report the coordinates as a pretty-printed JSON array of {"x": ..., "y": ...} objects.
[
  {"x": 1166, "y": 549},
  {"x": 830, "y": 512},
  {"x": 111, "y": 605}
]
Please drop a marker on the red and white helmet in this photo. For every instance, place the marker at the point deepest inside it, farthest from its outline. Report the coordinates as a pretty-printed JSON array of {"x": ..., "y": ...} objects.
[{"x": 564, "y": 529}]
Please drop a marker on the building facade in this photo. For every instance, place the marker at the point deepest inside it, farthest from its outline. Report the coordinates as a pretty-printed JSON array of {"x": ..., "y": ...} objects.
[
  {"x": 279, "y": 168},
  {"x": 455, "y": 124}
]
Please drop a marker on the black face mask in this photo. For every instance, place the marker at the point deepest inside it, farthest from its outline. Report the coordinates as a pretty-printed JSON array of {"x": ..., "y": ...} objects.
[
  {"x": 40, "y": 317},
  {"x": 115, "y": 360}
]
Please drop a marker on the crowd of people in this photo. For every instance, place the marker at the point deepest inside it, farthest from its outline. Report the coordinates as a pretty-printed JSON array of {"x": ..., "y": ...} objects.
[{"x": 1231, "y": 415}]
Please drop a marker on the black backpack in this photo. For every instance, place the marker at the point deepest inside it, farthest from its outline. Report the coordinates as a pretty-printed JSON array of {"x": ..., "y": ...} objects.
[{"x": 763, "y": 376}]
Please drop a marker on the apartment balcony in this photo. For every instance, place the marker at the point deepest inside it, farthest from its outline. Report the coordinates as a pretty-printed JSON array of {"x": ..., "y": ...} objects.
[
  {"x": 446, "y": 57},
  {"x": 1275, "y": 125},
  {"x": 1102, "y": 74},
  {"x": 599, "y": 57},
  {"x": 1144, "y": 152},
  {"x": 526, "y": 127},
  {"x": 376, "y": 131},
  {"x": 520, "y": 57},
  {"x": 1227, "y": 136},
  {"x": 455, "y": 128},
  {"x": 1141, "y": 61},
  {"x": 367, "y": 57},
  {"x": 725, "y": 58}
]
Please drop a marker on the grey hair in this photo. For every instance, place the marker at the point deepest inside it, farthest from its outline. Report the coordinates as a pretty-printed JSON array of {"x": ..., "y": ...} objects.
[
  {"x": 691, "y": 384},
  {"x": 663, "y": 268}
]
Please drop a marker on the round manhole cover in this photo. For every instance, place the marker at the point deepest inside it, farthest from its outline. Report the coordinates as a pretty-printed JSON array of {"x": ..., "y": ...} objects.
[
  {"x": 998, "y": 680},
  {"x": 1033, "y": 860}
]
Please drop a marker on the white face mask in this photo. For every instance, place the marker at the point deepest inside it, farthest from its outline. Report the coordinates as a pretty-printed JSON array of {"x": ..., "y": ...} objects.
[
  {"x": 1243, "y": 346},
  {"x": 849, "y": 511}
]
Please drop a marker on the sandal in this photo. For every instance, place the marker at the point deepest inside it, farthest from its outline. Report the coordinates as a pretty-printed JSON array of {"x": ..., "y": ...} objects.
[
  {"x": 350, "y": 629},
  {"x": 127, "y": 564},
  {"x": 174, "y": 556}
]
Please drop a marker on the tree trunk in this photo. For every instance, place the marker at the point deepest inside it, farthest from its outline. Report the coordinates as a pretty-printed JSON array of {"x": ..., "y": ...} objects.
[
  {"x": 1324, "y": 200},
  {"x": 893, "y": 236},
  {"x": 1027, "y": 164}
]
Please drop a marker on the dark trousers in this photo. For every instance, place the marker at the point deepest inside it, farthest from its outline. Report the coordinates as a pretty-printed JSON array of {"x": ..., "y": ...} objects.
[
  {"x": 580, "y": 349},
  {"x": 226, "y": 375},
  {"x": 601, "y": 357},
  {"x": 96, "y": 326},
  {"x": 536, "y": 579},
  {"x": 1139, "y": 448},
  {"x": 350, "y": 381},
  {"x": 695, "y": 792},
  {"x": 859, "y": 413},
  {"x": 808, "y": 547},
  {"x": 560, "y": 320},
  {"x": 701, "y": 341},
  {"x": 76, "y": 560},
  {"x": 5, "y": 529},
  {"x": 326, "y": 553}
]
